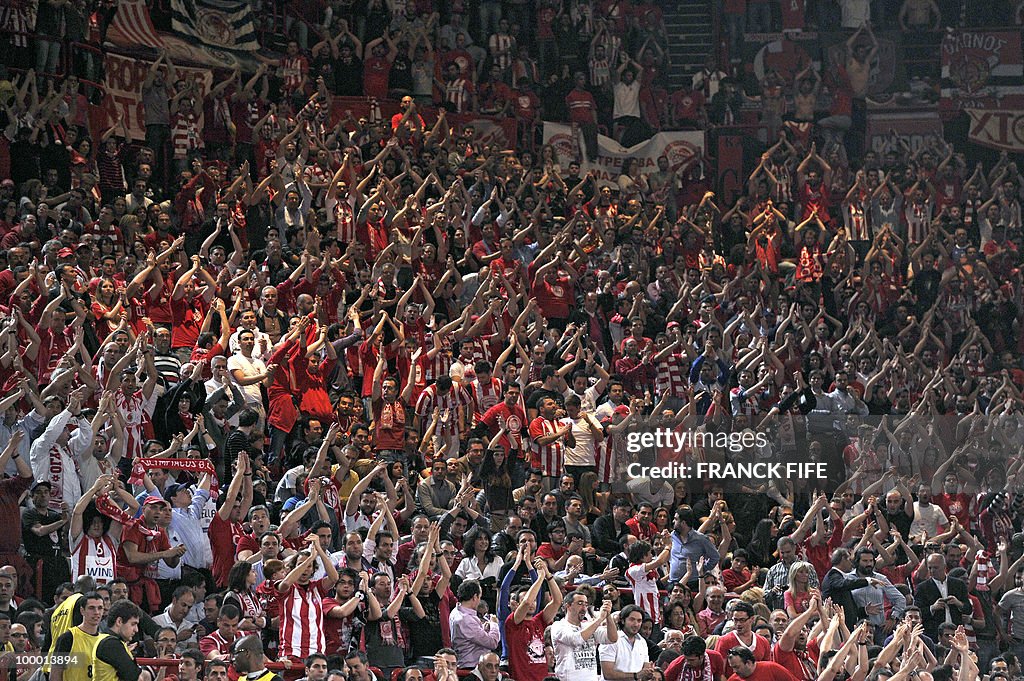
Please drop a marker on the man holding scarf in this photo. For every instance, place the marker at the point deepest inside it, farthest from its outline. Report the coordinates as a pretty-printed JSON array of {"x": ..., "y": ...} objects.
[
  {"x": 389, "y": 413},
  {"x": 56, "y": 454}
]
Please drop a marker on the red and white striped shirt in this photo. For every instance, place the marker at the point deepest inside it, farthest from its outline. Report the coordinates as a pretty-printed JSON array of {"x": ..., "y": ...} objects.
[
  {"x": 645, "y": 590},
  {"x": 448, "y": 404},
  {"x": 550, "y": 457},
  {"x": 302, "y": 617},
  {"x": 485, "y": 396},
  {"x": 604, "y": 455},
  {"x": 458, "y": 93},
  {"x": 671, "y": 376},
  {"x": 96, "y": 558},
  {"x": 293, "y": 71},
  {"x": 185, "y": 137},
  {"x": 344, "y": 218}
]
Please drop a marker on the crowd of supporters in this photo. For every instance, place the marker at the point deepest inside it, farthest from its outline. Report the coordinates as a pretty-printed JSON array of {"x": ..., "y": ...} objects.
[{"x": 360, "y": 396}]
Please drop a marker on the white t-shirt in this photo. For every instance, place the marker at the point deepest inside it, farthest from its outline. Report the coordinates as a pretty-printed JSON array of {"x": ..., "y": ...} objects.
[
  {"x": 575, "y": 658},
  {"x": 629, "y": 657},
  {"x": 583, "y": 453},
  {"x": 929, "y": 519},
  {"x": 249, "y": 367},
  {"x": 627, "y": 99}
]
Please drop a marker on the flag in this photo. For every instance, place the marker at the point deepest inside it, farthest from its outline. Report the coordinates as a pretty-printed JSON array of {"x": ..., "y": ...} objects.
[
  {"x": 227, "y": 24},
  {"x": 132, "y": 26},
  {"x": 982, "y": 70}
]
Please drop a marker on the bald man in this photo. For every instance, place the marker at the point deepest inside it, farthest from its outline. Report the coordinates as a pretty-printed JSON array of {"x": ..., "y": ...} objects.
[{"x": 250, "y": 661}]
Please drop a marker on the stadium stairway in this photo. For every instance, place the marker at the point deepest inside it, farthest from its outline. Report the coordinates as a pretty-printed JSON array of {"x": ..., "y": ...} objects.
[{"x": 688, "y": 24}]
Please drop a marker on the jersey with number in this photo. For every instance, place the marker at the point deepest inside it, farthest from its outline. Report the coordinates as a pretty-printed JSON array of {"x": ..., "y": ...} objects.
[{"x": 96, "y": 558}]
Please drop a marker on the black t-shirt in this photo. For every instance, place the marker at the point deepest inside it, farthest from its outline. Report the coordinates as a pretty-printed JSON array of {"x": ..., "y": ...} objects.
[
  {"x": 899, "y": 520},
  {"x": 46, "y": 545},
  {"x": 425, "y": 632}
]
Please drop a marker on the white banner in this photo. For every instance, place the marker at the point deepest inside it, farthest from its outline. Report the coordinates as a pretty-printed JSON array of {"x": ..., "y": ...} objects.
[
  {"x": 682, "y": 147},
  {"x": 124, "y": 80}
]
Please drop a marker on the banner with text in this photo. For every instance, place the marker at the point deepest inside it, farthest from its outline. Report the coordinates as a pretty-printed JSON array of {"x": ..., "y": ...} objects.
[
  {"x": 682, "y": 147},
  {"x": 913, "y": 126},
  {"x": 997, "y": 129},
  {"x": 982, "y": 70},
  {"x": 124, "y": 80}
]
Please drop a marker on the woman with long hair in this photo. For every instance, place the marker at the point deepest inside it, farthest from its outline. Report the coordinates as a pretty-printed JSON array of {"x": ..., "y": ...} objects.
[
  {"x": 798, "y": 595},
  {"x": 480, "y": 563},
  {"x": 495, "y": 476},
  {"x": 762, "y": 543},
  {"x": 241, "y": 593},
  {"x": 107, "y": 305}
]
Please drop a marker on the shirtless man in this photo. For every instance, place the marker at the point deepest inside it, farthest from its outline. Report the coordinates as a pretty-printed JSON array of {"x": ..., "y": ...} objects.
[
  {"x": 859, "y": 56},
  {"x": 808, "y": 84}
]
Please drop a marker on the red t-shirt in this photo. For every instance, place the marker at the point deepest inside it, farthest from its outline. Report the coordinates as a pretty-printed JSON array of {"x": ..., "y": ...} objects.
[
  {"x": 224, "y": 537},
  {"x": 556, "y": 299},
  {"x": 145, "y": 544},
  {"x": 766, "y": 671},
  {"x": 792, "y": 660},
  {"x": 526, "y": 648},
  {"x": 958, "y": 505},
  {"x": 186, "y": 321},
  {"x": 762, "y": 649},
  {"x": 548, "y": 551},
  {"x": 376, "y": 71}
]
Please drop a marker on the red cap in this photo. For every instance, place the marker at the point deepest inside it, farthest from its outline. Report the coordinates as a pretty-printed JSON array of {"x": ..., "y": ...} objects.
[
  {"x": 65, "y": 253},
  {"x": 154, "y": 500},
  {"x": 622, "y": 410}
]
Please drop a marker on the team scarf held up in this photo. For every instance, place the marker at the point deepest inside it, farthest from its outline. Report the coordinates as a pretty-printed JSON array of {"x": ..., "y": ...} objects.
[{"x": 197, "y": 466}]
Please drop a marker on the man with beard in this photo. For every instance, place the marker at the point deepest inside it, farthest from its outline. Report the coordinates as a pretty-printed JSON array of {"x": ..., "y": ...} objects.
[
  {"x": 948, "y": 495},
  {"x": 696, "y": 662},
  {"x": 872, "y": 598},
  {"x": 628, "y": 656}
]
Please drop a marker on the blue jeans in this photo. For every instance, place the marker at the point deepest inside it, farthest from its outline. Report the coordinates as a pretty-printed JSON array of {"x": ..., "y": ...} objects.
[{"x": 47, "y": 56}]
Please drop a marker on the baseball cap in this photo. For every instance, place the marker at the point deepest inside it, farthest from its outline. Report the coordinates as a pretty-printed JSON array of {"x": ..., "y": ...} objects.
[
  {"x": 65, "y": 253},
  {"x": 622, "y": 410},
  {"x": 174, "y": 490},
  {"x": 154, "y": 500},
  {"x": 42, "y": 483}
]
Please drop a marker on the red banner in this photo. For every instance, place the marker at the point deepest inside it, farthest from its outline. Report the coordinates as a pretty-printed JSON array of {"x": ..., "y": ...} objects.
[{"x": 982, "y": 70}]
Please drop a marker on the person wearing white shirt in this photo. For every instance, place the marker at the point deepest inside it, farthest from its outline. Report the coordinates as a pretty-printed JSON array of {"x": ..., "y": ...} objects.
[
  {"x": 588, "y": 433},
  {"x": 575, "y": 640},
  {"x": 928, "y": 517},
  {"x": 627, "y": 657}
]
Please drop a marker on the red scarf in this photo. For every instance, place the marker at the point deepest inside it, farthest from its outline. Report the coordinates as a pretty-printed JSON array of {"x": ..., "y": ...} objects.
[
  {"x": 390, "y": 414},
  {"x": 191, "y": 465},
  {"x": 692, "y": 674},
  {"x": 108, "y": 508}
]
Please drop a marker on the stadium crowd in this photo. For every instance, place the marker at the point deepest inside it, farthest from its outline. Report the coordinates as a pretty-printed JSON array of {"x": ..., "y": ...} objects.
[{"x": 357, "y": 395}]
